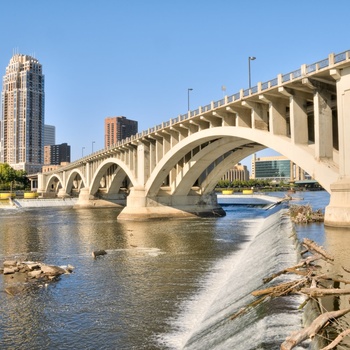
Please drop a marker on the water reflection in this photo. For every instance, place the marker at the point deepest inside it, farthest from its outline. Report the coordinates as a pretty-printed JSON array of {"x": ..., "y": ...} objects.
[
  {"x": 337, "y": 244},
  {"x": 120, "y": 300}
]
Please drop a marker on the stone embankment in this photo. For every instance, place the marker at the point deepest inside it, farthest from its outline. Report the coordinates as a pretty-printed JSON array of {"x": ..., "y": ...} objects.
[{"x": 27, "y": 273}]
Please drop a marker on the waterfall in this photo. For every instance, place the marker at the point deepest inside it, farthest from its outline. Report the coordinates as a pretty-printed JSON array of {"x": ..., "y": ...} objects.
[{"x": 272, "y": 247}]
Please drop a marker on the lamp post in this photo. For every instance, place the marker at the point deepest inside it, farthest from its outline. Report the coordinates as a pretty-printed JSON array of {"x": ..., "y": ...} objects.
[
  {"x": 188, "y": 99},
  {"x": 250, "y": 58},
  {"x": 92, "y": 147},
  {"x": 82, "y": 152}
]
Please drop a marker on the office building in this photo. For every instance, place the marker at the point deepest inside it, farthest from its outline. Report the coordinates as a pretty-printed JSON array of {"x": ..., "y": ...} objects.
[
  {"x": 49, "y": 135},
  {"x": 238, "y": 172},
  {"x": 277, "y": 168},
  {"x": 119, "y": 128},
  {"x": 56, "y": 154},
  {"x": 22, "y": 117}
]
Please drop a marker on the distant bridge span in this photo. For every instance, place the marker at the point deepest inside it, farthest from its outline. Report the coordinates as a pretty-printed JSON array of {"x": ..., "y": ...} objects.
[{"x": 172, "y": 169}]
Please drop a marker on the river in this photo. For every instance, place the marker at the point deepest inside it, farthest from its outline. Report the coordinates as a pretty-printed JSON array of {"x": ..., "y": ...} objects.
[{"x": 155, "y": 287}]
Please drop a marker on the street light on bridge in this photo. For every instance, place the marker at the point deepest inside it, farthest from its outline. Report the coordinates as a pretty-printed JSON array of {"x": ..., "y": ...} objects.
[
  {"x": 250, "y": 58},
  {"x": 92, "y": 147},
  {"x": 188, "y": 98},
  {"x": 82, "y": 152}
]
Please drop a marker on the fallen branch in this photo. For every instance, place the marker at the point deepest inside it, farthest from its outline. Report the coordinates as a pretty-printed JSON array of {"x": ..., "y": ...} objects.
[
  {"x": 245, "y": 309},
  {"x": 294, "y": 269},
  {"x": 311, "y": 245},
  {"x": 310, "y": 332},
  {"x": 337, "y": 340},
  {"x": 328, "y": 278},
  {"x": 274, "y": 289},
  {"x": 321, "y": 292}
]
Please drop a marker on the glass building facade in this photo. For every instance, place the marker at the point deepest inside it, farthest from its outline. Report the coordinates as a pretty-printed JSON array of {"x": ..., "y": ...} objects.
[
  {"x": 273, "y": 169},
  {"x": 276, "y": 168}
]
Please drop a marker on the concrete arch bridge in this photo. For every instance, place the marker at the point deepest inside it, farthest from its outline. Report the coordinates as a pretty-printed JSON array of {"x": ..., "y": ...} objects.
[{"x": 171, "y": 170}]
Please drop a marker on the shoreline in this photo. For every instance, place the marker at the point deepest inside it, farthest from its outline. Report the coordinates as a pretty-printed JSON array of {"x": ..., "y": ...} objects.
[{"x": 19, "y": 203}]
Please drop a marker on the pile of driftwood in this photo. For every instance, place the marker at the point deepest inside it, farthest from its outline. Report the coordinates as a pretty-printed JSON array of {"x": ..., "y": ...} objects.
[
  {"x": 304, "y": 214},
  {"x": 309, "y": 284}
]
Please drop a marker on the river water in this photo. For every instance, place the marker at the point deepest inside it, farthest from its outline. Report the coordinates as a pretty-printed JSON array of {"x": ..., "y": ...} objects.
[{"x": 169, "y": 284}]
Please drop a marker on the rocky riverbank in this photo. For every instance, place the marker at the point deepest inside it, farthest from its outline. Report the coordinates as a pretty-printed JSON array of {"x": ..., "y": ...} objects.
[{"x": 21, "y": 275}]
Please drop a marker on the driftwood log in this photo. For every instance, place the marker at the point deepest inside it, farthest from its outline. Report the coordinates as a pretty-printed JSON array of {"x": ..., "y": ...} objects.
[
  {"x": 322, "y": 292},
  {"x": 311, "y": 245},
  {"x": 337, "y": 340},
  {"x": 308, "y": 284},
  {"x": 311, "y": 331}
]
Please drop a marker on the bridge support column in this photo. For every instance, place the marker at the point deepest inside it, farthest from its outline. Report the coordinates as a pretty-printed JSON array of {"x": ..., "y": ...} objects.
[
  {"x": 139, "y": 207},
  {"x": 338, "y": 211},
  {"x": 62, "y": 193},
  {"x": 87, "y": 200}
]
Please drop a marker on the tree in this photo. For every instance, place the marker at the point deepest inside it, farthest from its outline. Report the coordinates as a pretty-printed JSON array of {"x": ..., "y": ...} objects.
[{"x": 10, "y": 176}]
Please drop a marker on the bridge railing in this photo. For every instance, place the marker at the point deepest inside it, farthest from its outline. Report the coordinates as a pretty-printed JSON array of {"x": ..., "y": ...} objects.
[
  {"x": 333, "y": 59},
  {"x": 340, "y": 57}
]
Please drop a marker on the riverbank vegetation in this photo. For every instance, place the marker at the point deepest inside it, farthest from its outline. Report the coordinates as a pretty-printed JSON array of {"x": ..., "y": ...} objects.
[
  {"x": 11, "y": 179},
  {"x": 261, "y": 185}
]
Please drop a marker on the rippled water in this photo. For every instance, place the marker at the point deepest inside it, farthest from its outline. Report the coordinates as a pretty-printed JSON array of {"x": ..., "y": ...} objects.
[
  {"x": 135, "y": 297},
  {"x": 123, "y": 300}
]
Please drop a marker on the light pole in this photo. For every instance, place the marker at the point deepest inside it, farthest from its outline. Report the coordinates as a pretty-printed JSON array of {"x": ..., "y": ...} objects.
[
  {"x": 82, "y": 152},
  {"x": 188, "y": 99},
  {"x": 250, "y": 58},
  {"x": 92, "y": 147}
]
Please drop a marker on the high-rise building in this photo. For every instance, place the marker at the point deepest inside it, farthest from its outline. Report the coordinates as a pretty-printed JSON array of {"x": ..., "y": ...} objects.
[
  {"x": 119, "y": 128},
  {"x": 56, "y": 154},
  {"x": 49, "y": 135},
  {"x": 22, "y": 123}
]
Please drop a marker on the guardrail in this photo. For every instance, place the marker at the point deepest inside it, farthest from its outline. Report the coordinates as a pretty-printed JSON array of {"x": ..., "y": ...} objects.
[{"x": 332, "y": 60}]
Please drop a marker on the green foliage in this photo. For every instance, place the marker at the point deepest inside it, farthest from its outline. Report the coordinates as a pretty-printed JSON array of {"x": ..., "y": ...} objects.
[
  {"x": 256, "y": 183},
  {"x": 11, "y": 179}
]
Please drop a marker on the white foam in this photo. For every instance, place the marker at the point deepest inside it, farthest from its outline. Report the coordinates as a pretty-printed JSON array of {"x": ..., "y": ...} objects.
[
  {"x": 204, "y": 322},
  {"x": 195, "y": 309}
]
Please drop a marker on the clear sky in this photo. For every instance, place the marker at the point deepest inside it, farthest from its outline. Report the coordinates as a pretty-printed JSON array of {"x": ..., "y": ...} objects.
[{"x": 137, "y": 58}]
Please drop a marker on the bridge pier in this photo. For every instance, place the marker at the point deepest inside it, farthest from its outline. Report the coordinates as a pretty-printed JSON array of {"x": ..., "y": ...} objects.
[
  {"x": 337, "y": 213},
  {"x": 139, "y": 207},
  {"x": 62, "y": 193},
  {"x": 87, "y": 200}
]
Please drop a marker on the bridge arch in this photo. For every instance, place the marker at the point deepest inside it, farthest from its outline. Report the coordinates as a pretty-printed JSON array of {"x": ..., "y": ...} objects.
[
  {"x": 209, "y": 183},
  {"x": 76, "y": 180},
  {"x": 324, "y": 171},
  {"x": 115, "y": 177},
  {"x": 216, "y": 158},
  {"x": 54, "y": 183}
]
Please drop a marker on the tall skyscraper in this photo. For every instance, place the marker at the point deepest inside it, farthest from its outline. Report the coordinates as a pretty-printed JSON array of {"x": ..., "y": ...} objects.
[
  {"x": 119, "y": 128},
  {"x": 22, "y": 124},
  {"x": 49, "y": 135}
]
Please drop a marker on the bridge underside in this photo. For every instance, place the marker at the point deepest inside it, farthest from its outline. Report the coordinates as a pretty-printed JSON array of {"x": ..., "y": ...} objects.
[{"x": 164, "y": 207}]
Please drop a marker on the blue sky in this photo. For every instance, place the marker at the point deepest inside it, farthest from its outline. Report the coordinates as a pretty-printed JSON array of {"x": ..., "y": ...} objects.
[{"x": 137, "y": 58}]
